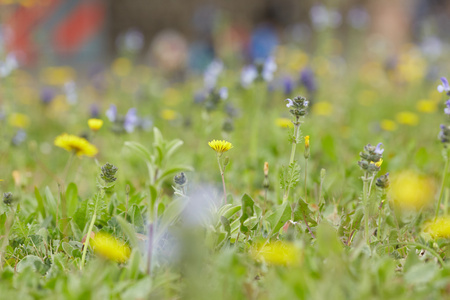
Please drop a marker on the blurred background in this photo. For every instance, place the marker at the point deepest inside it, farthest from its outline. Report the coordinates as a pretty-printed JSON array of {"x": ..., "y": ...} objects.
[{"x": 176, "y": 35}]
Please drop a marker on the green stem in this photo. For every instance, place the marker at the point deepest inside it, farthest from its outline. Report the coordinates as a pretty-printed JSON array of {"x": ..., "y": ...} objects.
[
  {"x": 88, "y": 237},
  {"x": 306, "y": 174},
  {"x": 223, "y": 179},
  {"x": 294, "y": 146},
  {"x": 444, "y": 179},
  {"x": 366, "y": 208}
]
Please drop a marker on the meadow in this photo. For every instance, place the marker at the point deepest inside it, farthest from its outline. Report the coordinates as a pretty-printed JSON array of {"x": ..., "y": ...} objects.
[{"x": 304, "y": 176}]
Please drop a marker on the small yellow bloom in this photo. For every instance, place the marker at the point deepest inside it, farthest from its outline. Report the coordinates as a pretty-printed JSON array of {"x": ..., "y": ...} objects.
[
  {"x": 378, "y": 163},
  {"x": 168, "y": 114},
  {"x": 411, "y": 191},
  {"x": 322, "y": 108},
  {"x": 19, "y": 120},
  {"x": 220, "y": 146},
  {"x": 407, "y": 118},
  {"x": 284, "y": 123},
  {"x": 277, "y": 253},
  {"x": 76, "y": 144},
  {"x": 307, "y": 141},
  {"x": 110, "y": 248},
  {"x": 426, "y": 106},
  {"x": 121, "y": 67},
  {"x": 57, "y": 75},
  {"x": 95, "y": 124},
  {"x": 440, "y": 228},
  {"x": 388, "y": 125}
]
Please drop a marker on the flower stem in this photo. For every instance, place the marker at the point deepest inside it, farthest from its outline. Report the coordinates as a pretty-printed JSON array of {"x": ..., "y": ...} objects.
[
  {"x": 88, "y": 237},
  {"x": 366, "y": 207},
  {"x": 222, "y": 173},
  {"x": 306, "y": 174},
  {"x": 444, "y": 179},
  {"x": 294, "y": 146}
]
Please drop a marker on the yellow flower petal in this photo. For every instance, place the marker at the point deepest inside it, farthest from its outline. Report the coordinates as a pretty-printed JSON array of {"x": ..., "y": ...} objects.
[{"x": 73, "y": 143}]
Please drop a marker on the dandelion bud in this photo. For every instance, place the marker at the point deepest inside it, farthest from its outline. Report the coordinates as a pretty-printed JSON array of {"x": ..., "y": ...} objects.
[
  {"x": 307, "y": 151},
  {"x": 323, "y": 172},
  {"x": 266, "y": 169},
  {"x": 226, "y": 161}
]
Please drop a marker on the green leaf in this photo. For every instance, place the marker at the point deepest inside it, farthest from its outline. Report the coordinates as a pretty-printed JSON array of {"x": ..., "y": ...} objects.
[
  {"x": 140, "y": 150},
  {"x": 133, "y": 264},
  {"x": 50, "y": 202},
  {"x": 172, "y": 212},
  {"x": 29, "y": 261},
  {"x": 226, "y": 224},
  {"x": 137, "y": 216},
  {"x": 279, "y": 218},
  {"x": 247, "y": 211},
  {"x": 128, "y": 230},
  {"x": 172, "y": 171},
  {"x": 71, "y": 199},
  {"x": 40, "y": 202},
  {"x": 289, "y": 176},
  {"x": 172, "y": 146},
  {"x": 421, "y": 273},
  {"x": 158, "y": 138}
]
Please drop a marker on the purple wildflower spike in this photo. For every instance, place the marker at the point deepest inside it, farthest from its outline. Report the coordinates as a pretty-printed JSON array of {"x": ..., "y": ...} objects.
[{"x": 444, "y": 87}]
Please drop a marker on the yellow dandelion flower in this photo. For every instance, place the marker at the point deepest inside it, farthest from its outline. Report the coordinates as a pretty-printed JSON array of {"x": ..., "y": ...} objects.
[
  {"x": 277, "y": 253},
  {"x": 95, "y": 124},
  {"x": 439, "y": 228},
  {"x": 220, "y": 146},
  {"x": 407, "y": 118},
  {"x": 73, "y": 143},
  {"x": 388, "y": 125},
  {"x": 168, "y": 114},
  {"x": 322, "y": 108},
  {"x": 284, "y": 123},
  {"x": 19, "y": 120},
  {"x": 307, "y": 141},
  {"x": 426, "y": 106},
  {"x": 110, "y": 248},
  {"x": 411, "y": 191}
]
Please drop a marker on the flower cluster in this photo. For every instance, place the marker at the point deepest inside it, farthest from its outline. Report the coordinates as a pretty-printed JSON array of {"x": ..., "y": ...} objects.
[
  {"x": 383, "y": 181},
  {"x": 108, "y": 173},
  {"x": 444, "y": 134},
  {"x": 298, "y": 106},
  {"x": 371, "y": 158}
]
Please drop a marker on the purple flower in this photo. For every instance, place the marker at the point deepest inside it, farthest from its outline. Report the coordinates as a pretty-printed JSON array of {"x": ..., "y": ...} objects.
[
  {"x": 447, "y": 109},
  {"x": 223, "y": 93},
  {"x": 378, "y": 150},
  {"x": 47, "y": 95},
  {"x": 212, "y": 73},
  {"x": 308, "y": 79},
  {"x": 131, "y": 120},
  {"x": 111, "y": 113},
  {"x": 269, "y": 68},
  {"x": 95, "y": 111},
  {"x": 248, "y": 75},
  {"x": 444, "y": 86},
  {"x": 288, "y": 85},
  {"x": 290, "y": 104}
]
